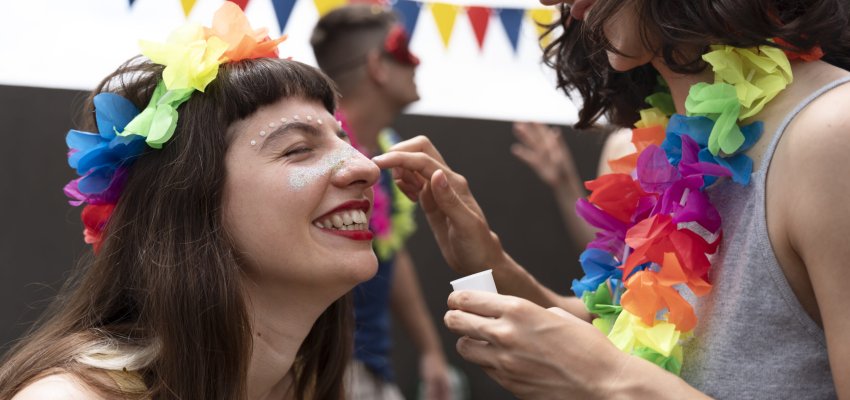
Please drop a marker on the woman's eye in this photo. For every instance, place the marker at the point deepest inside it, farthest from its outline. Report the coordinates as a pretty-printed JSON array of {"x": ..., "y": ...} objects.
[{"x": 297, "y": 150}]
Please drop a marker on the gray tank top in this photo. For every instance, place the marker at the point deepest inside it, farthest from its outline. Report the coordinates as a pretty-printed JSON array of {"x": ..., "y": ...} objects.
[{"x": 753, "y": 339}]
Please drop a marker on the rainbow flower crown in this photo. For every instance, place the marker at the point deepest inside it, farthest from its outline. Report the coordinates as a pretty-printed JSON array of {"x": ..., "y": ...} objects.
[{"x": 191, "y": 56}]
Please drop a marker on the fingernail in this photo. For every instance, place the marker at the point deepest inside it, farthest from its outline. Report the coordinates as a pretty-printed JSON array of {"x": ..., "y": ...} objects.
[{"x": 444, "y": 181}]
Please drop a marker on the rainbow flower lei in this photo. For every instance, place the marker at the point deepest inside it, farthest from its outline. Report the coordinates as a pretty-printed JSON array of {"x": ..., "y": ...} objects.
[
  {"x": 191, "y": 56},
  {"x": 657, "y": 227}
]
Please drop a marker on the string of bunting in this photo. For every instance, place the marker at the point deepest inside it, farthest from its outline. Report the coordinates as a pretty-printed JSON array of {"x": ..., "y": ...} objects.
[{"x": 445, "y": 15}]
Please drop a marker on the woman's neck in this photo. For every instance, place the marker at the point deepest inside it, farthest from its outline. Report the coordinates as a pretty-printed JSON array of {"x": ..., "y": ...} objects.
[
  {"x": 680, "y": 84},
  {"x": 279, "y": 325}
]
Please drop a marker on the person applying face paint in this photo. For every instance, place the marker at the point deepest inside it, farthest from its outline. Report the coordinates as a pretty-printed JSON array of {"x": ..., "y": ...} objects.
[
  {"x": 720, "y": 257},
  {"x": 365, "y": 51}
]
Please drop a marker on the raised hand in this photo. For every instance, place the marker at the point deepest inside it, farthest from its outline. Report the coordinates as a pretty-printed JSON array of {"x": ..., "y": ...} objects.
[
  {"x": 459, "y": 225},
  {"x": 544, "y": 150}
]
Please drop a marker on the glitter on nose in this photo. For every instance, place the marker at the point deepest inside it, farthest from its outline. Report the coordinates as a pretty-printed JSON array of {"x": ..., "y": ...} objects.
[{"x": 332, "y": 162}]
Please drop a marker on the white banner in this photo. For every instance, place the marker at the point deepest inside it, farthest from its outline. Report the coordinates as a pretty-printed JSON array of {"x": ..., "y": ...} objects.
[{"x": 74, "y": 44}]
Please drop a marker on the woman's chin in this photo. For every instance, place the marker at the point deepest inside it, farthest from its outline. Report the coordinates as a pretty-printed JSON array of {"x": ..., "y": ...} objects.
[
  {"x": 622, "y": 63},
  {"x": 361, "y": 267}
]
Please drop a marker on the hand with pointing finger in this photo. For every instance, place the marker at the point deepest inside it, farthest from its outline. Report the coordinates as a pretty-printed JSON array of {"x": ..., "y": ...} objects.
[{"x": 459, "y": 225}]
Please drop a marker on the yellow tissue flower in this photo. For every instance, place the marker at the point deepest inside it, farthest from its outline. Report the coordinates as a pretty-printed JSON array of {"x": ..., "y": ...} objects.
[
  {"x": 758, "y": 74},
  {"x": 190, "y": 57},
  {"x": 629, "y": 331}
]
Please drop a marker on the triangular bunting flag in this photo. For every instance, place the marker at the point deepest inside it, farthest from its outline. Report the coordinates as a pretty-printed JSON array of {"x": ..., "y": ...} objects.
[
  {"x": 188, "y": 5},
  {"x": 543, "y": 16},
  {"x": 479, "y": 17},
  {"x": 283, "y": 9},
  {"x": 131, "y": 2},
  {"x": 241, "y": 3},
  {"x": 326, "y": 6},
  {"x": 445, "y": 15},
  {"x": 409, "y": 12},
  {"x": 512, "y": 21}
]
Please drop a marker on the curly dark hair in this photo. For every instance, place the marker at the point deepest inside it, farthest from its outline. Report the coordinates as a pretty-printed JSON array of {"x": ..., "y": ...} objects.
[{"x": 579, "y": 57}]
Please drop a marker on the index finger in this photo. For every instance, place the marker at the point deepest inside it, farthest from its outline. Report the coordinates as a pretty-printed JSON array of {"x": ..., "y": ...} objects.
[
  {"x": 485, "y": 304},
  {"x": 419, "y": 144},
  {"x": 418, "y": 162}
]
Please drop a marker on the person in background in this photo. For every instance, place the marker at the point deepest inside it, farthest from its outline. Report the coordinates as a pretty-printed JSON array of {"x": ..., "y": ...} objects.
[
  {"x": 544, "y": 150},
  {"x": 365, "y": 51}
]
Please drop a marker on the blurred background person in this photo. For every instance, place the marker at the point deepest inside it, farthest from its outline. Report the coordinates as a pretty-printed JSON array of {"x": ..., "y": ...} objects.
[
  {"x": 365, "y": 51},
  {"x": 544, "y": 150}
]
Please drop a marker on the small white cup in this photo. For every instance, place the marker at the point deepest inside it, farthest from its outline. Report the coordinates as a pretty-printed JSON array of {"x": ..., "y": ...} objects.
[{"x": 482, "y": 281}]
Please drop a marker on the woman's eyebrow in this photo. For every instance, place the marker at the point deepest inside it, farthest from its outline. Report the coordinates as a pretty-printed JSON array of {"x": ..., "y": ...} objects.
[{"x": 289, "y": 127}]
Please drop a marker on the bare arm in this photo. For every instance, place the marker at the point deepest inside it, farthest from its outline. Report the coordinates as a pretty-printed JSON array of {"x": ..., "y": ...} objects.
[
  {"x": 544, "y": 150},
  {"x": 617, "y": 144},
  {"x": 459, "y": 224},
  {"x": 408, "y": 307},
  {"x": 818, "y": 223},
  {"x": 539, "y": 353}
]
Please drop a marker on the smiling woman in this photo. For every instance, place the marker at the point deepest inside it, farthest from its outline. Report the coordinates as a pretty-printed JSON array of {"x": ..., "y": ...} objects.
[{"x": 224, "y": 240}]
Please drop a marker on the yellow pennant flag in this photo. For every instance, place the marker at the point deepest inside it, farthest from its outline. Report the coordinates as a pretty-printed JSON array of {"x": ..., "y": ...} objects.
[
  {"x": 326, "y": 6},
  {"x": 545, "y": 16},
  {"x": 445, "y": 15},
  {"x": 187, "y": 6}
]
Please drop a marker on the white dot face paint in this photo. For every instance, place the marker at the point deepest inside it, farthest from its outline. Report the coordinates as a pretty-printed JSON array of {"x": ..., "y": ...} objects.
[{"x": 331, "y": 162}]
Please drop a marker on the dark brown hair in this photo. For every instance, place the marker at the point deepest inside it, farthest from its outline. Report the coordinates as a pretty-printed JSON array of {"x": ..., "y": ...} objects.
[
  {"x": 167, "y": 274},
  {"x": 680, "y": 31},
  {"x": 342, "y": 38}
]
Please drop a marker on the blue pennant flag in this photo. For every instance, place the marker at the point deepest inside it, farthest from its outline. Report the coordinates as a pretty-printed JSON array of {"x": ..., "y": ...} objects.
[
  {"x": 283, "y": 9},
  {"x": 131, "y": 2},
  {"x": 512, "y": 21},
  {"x": 408, "y": 10}
]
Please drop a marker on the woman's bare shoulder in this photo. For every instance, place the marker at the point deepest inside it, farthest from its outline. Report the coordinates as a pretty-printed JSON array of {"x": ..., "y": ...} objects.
[{"x": 60, "y": 386}]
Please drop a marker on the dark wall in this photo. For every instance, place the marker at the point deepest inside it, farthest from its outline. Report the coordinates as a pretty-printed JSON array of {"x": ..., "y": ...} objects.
[{"x": 42, "y": 237}]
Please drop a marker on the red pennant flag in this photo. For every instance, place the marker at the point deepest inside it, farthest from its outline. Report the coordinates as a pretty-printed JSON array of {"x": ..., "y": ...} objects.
[
  {"x": 241, "y": 3},
  {"x": 479, "y": 17}
]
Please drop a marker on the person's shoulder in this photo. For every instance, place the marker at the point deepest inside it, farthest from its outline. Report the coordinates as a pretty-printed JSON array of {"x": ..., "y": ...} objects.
[
  {"x": 60, "y": 386},
  {"x": 822, "y": 129}
]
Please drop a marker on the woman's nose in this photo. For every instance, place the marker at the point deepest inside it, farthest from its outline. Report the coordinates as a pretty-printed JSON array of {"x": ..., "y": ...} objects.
[{"x": 354, "y": 168}]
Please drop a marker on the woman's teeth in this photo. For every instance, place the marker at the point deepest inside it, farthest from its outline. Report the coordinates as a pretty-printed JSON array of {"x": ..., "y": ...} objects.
[{"x": 348, "y": 220}]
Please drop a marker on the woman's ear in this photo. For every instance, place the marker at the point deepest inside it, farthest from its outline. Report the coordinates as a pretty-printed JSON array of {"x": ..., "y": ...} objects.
[{"x": 376, "y": 68}]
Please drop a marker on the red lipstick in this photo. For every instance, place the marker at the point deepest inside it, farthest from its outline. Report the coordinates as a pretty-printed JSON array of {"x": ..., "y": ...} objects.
[{"x": 362, "y": 205}]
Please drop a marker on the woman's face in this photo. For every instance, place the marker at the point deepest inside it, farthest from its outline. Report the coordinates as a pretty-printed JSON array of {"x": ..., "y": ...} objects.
[
  {"x": 297, "y": 198},
  {"x": 622, "y": 30}
]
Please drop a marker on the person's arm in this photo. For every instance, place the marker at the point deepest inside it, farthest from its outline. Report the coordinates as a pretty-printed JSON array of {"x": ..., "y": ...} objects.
[
  {"x": 617, "y": 144},
  {"x": 408, "y": 307},
  {"x": 818, "y": 219},
  {"x": 459, "y": 224},
  {"x": 538, "y": 353},
  {"x": 544, "y": 150}
]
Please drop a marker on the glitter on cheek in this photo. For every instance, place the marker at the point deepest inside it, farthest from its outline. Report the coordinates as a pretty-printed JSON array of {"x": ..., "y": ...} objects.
[{"x": 331, "y": 162}]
